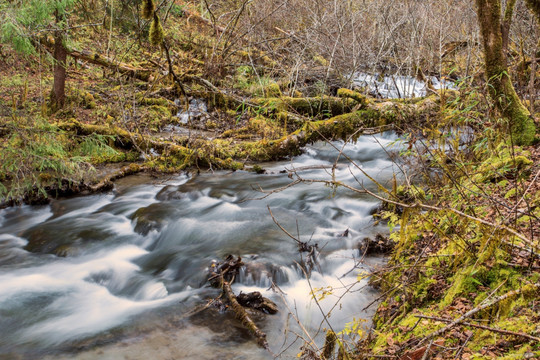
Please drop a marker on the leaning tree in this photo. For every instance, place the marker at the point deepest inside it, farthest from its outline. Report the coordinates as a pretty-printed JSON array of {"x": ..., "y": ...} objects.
[{"x": 495, "y": 28}]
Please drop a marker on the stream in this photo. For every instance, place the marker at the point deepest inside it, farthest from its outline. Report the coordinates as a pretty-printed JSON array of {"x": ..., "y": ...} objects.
[{"x": 121, "y": 275}]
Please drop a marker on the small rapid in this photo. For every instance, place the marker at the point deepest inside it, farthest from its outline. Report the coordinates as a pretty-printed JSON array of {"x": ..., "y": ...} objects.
[{"x": 123, "y": 274}]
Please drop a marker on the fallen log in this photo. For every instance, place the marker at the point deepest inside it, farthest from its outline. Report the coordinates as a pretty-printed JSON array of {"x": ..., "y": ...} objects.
[
  {"x": 107, "y": 182},
  {"x": 97, "y": 59}
]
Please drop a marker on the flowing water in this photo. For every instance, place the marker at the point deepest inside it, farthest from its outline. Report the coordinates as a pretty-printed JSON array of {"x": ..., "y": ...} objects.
[
  {"x": 397, "y": 86},
  {"x": 122, "y": 275}
]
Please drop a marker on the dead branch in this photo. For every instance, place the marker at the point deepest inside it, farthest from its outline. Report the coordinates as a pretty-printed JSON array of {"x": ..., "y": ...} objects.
[
  {"x": 222, "y": 276},
  {"x": 243, "y": 316},
  {"x": 458, "y": 321},
  {"x": 464, "y": 323}
]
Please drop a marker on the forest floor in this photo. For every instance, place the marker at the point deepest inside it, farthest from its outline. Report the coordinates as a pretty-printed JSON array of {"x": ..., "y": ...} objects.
[{"x": 463, "y": 279}]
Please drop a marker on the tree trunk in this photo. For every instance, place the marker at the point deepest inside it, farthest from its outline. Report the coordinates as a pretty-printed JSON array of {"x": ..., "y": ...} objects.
[
  {"x": 58, "y": 94},
  {"x": 500, "y": 86},
  {"x": 534, "y": 6}
]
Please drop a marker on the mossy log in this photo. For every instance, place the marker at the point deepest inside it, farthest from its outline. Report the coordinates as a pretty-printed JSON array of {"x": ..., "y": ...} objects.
[
  {"x": 355, "y": 95},
  {"x": 376, "y": 118},
  {"x": 218, "y": 99},
  {"x": 225, "y": 153},
  {"x": 326, "y": 106},
  {"x": 97, "y": 59},
  {"x": 173, "y": 157},
  {"x": 106, "y": 183}
]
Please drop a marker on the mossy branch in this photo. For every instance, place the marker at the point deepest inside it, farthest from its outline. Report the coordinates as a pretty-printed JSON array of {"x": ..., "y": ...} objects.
[{"x": 103, "y": 61}]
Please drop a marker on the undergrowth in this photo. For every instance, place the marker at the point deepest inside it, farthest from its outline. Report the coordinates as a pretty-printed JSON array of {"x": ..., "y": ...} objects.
[
  {"x": 477, "y": 239},
  {"x": 37, "y": 155}
]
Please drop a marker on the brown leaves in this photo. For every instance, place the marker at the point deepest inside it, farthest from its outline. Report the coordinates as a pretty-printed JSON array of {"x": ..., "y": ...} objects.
[{"x": 418, "y": 354}]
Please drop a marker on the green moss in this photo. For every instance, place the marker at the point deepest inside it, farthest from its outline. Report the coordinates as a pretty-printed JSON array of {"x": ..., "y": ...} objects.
[
  {"x": 157, "y": 101},
  {"x": 156, "y": 33},
  {"x": 510, "y": 194},
  {"x": 325, "y": 106},
  {"x": 361, "y": 99},
  {"x": 83, "y": 98},
  {"x": 502, "y": 164},
  {"x": 272, "y": 90},
  {"x": 410, "y": 193}
]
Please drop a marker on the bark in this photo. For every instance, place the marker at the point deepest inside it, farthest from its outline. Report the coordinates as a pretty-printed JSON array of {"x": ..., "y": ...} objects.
[
  {"x": 534, "y": 6},
  {"x": 492, "y": 28}
]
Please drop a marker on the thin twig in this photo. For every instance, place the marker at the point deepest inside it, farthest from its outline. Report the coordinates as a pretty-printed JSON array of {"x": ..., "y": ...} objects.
[{"x": 497, "y": 330}]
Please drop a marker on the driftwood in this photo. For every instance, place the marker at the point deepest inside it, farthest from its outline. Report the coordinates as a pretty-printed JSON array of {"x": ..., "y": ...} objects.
[
  {"x": 222, "y": 275},
  {"x": 243, "y": 316}
]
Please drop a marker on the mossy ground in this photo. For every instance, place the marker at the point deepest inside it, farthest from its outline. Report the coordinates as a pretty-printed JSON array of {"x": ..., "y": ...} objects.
[{"x": 445, "y": 264}]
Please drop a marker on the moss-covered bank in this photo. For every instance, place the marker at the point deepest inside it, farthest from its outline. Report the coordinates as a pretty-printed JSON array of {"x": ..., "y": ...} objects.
[{"x": 459, "y": 283}]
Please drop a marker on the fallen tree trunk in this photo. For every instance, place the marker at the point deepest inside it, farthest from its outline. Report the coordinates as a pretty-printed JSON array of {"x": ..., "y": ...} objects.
[
  {"x": 97, "y": 59},
  {"x": 184, "y": 157},
  {"x": 125, "y": 69},
  {"x": 106, "y": 183}
]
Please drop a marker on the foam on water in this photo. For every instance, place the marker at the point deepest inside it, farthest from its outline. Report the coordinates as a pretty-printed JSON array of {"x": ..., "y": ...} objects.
[{"x": 86, "y": 292}]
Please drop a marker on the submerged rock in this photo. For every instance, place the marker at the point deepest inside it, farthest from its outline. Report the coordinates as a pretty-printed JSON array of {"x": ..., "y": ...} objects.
[{"x": 152, "y": 217}]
